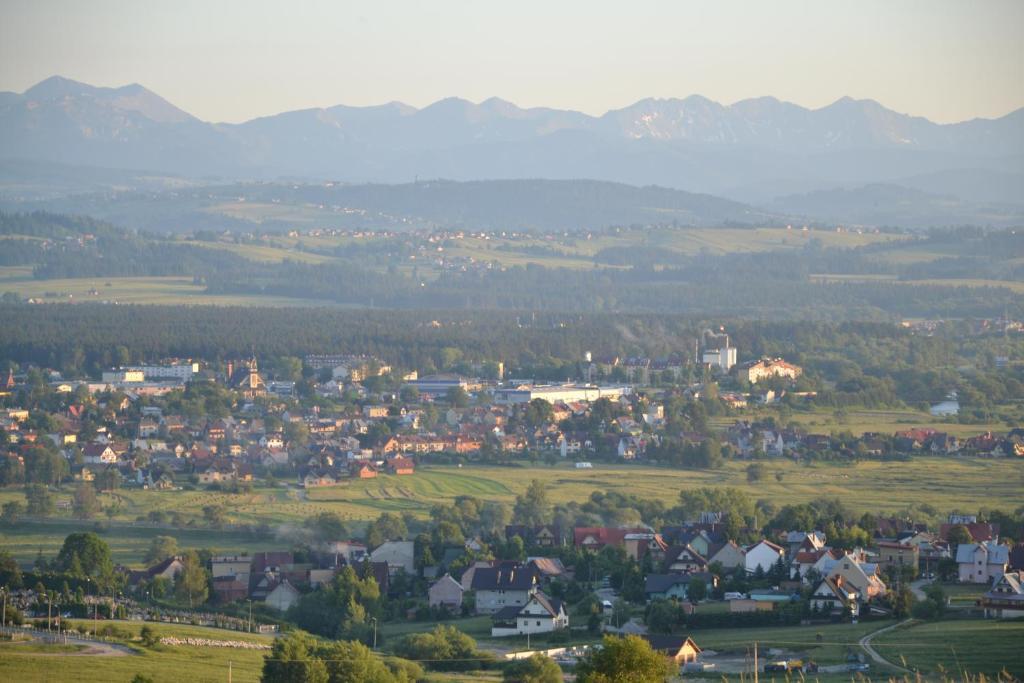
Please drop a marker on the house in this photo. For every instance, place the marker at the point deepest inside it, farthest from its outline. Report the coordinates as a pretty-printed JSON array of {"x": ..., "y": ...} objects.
[
  {"x": 675, "y": 586},
  {"x": 893, "y": 555},
  {"x": 763, "y": 555},
  {"x": 1005, "y": 599},
  {"x": 546, "y": 536},
  {"x": 979, "y": 531},
  {"x": 363, "y": 470},
  {"x": 767, "y": 368},
  {"x": 981, "y": 562},
  {"x": 400, "y": 465},
  {"x": 642, "y": 544},
  {"x": 168, "y": 569},
  {"x": 505, "y": 585},
  {"x": 860, "y": 577},
  {"x": 540, "y": 614},
  {"x": 282, "y": 596},
  {"x": 317, "y": 479},
  {"x": 729, "y": 555},
  {"x": 684, "y": 560},
  {"x": 229, "y": 589},
  {"x": 445, "y": 592},
  {"x": 680, "y": 649},
  {"x": 399, "y": 556},
  {"x": 595, "y": 538},
  {"x": 98, "y": 453},
  {"x": 832, "y": 596}
]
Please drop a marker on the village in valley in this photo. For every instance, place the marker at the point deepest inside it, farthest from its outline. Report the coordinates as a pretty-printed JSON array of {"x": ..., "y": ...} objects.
[{"x": 538, "y": 573}]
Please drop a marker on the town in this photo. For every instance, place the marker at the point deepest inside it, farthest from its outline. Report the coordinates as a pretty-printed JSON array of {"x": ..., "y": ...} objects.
[{"x": 540, "y": 573}]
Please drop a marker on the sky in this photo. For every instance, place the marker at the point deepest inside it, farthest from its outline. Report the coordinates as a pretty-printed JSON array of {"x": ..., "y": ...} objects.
[{"x": 235, "y": 60}]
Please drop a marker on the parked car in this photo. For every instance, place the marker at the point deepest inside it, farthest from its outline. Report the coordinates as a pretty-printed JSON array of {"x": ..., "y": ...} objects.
[{"x": 860, "y": 666}]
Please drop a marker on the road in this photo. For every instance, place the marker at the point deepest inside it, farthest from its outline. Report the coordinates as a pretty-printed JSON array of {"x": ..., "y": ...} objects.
[
  {"x": 916, "y": 586},
  {"x": 865, "y": 644}
]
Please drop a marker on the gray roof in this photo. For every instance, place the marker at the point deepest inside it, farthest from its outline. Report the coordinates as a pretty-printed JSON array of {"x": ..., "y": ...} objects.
[{"x": 997, "y": 554}]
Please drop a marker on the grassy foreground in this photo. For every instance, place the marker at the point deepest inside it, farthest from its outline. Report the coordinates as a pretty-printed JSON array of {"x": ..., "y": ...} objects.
[
  {"x": 162, "y": 663},
  {"x": 953, "y": 647}
]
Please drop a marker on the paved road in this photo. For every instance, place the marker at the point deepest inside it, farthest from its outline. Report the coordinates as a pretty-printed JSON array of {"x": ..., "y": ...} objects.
[
  {"x": 916, "y": 587},
  {"x": 865, "y": 644}
]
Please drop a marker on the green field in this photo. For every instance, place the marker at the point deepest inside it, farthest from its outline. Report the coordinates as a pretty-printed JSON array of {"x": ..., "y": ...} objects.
[
  {"x": 130, "y": 290},
  {"x": 858, "y": 421},
  {"x": 162, "y": 663},
  {"x": 974, "y": 646},
  {"x": 948, "y": 483}
]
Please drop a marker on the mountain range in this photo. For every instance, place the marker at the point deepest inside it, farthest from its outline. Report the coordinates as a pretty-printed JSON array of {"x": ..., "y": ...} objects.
[{"x": 759, "y": 151}]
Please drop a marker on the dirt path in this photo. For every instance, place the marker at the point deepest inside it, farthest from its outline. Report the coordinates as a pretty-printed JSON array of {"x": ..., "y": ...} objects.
[
  {"x": 91, "y": 648},
  {"x": 865, "y": 644}
]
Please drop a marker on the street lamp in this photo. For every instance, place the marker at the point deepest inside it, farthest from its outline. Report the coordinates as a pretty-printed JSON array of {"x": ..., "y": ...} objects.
[{"x": 374, "y": 619}]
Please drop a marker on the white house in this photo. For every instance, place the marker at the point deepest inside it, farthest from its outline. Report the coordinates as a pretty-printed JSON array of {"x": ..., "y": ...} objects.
[
  {"x": 981, "y": 562},
  {"x": 763, "y": 554},
  {"x": 283, "y": 596},
  {"x": 540, "y": 615},
  {"x": 832, "y": 596},
  {"x": 400, "y": 555},
  {"x": 445, "y": 592}
]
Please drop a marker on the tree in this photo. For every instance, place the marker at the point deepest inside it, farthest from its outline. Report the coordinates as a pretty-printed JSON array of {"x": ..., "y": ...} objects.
[
  {"x": 628, "y": 659},
  {"x": 85, "y": 505},
  {"x": 292, "y": 660},
  {"x": 902, "y": 602},
  {"x": 149, "y": 636},
  {"x": 534, "y": 669},
  {"x": 538, "y": 412},
  {"x": 353, "y": 661},
  {"x": 10, "y": 572},
  {"x": 85, "y": 552},
  {"x": 192, "y": 583},
  {"x": 533, "y": 507},
  {"x": 387, "y": 527},
  {"x": 327, "y": 526},
  {"x": 457, "y": 397},
  {"x": 697, "y": 590},
  {"x": 12, "y": 512},
  {"x": 959, "y": 534},
  {"x": 160, "y": 548},
  {"x": 214, "y": 515},
  {"x": 38, "y": 501},
  {"x": 446, "y": 648},
  {"x": 755, "y": 472}
]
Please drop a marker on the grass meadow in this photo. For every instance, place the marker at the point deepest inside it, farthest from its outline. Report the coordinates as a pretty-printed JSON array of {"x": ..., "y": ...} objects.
[{"x": 955, "y": 646}]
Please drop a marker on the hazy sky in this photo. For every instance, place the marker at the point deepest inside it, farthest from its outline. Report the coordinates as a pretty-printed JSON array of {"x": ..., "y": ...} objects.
[{"x": 230, "y": 61}]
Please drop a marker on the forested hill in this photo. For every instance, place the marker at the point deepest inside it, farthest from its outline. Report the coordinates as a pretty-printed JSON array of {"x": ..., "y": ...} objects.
[{"x": 517, "y": 205}]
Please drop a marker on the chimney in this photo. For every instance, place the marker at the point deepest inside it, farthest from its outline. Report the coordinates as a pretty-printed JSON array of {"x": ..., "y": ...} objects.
[{"x": 231, "y": 369}]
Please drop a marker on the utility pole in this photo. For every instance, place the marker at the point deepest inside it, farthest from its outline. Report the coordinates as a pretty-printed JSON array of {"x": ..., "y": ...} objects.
[
  {"x": 250, "y": 615},
  {"x": 95, "y": 610},
  {"x": 4, "y": 613},
  {"x": 755, "y": 661},
  {"x": 49, "y": 604},
  {"x": 374, "y": 632},
  {"x": 229, "y": 671}
]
